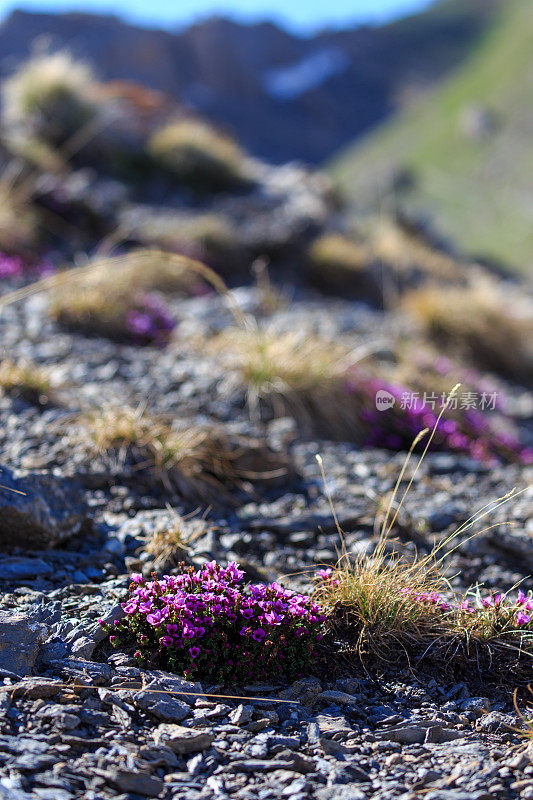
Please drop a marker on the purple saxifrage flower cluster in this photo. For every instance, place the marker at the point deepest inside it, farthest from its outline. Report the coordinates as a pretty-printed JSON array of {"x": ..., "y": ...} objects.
[
  {"x": 502, "y": 610},
  {"x": 486, "y": 615},
  {"x": 12, "y": 266},
  {"x": 150, "y": 322},
  {"x": 468, "y": 431},
  {"x": 210, "y": 623}
]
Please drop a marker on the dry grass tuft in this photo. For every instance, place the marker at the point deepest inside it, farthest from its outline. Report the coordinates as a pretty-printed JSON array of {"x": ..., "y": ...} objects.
[
  {"x": 49, "y": 98},
  {"x": 408, "y": 252},
  {"x": 381, "y": 605},
  {"x": 339, "y": 264},
  {"x": 101, "y": 300},
  {"x": 480, "y": 323},
  {"x": 168, "y": 544},
  {"x": 529, "y": 727},
  {"x": 207, "y": 236},
  {"x": 19, "y": 224},
  {"x": 202, "y": 464},
  {"x": 371, "y": 601},
  {"x": 92, "y": 284},
  {"x": 198, "y": 155},
  {"x": 292, "y": 374},
  {"x": 25, "y": 380}
]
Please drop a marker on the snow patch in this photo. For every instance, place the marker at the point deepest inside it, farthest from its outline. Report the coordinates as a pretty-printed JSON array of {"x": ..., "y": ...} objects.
[{"x": 285, "y": 83}]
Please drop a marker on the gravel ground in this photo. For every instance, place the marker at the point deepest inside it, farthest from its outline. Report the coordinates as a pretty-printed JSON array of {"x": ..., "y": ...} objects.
[{"x": 77, "y": 723}]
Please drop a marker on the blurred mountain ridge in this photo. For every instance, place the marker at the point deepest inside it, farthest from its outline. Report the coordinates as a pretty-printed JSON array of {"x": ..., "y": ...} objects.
[
  {"x": 462, "y": 157},
  {"x": 285, "y": 97}
]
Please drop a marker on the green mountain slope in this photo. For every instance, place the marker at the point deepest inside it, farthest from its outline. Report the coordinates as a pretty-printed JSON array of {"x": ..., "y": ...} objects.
[{"x": 468, "y": 148}]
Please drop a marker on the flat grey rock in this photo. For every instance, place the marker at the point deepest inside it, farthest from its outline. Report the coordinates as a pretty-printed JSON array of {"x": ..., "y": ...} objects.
[
  {"x": 183, "y": 740},
  {"x": 138, "y": 783},
  {"x": 14, "y": 568},
  {"x": 38, "y": 510},
  {"x": 165, "y": 708},
  {"x": 20, "y": 638}
]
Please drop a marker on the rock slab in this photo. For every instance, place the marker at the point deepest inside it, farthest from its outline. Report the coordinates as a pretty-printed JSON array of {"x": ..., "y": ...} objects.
[
  {"x": 182, "y": 740},
  {"x": 20, "y": 637},
  {"x": 38, "y": 510}
]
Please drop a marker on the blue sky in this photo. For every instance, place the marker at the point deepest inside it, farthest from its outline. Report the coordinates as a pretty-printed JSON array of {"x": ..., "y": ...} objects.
[{"x": 299, "y": 15}]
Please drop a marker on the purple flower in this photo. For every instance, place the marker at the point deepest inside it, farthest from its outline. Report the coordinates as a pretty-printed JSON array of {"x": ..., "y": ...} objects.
[
  {"x": 10, "y": 266},
  {"x": 155, "y": 617},
  {"x": 274, "y": 619},
  {"x": 212, "y": 604},
  {"x": 524, "y": 600},
  {"x": 138, "y": 322},
  {"x": 523, "y": 619},
  {"x": 188, "y": 631}
]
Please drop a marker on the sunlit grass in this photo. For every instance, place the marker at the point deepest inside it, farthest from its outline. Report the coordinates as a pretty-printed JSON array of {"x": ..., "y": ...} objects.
[{"x": 204, "y": 464}]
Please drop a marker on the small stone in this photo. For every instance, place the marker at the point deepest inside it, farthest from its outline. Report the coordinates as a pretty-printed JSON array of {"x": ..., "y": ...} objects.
[
  {"x": 83, "y": 647},
  {"x": 241, "y": 715},
  {"x": 407, "y": 734},
  {"x": 168, "y": 709},
  {"x": 251, "y": 766},
  {"x": 306, "y": 691},
  {"x": 90, "y": 671},
  {"x": 35, "y": 688},
  {"x": 187, "y": 691},
  {"x": 297, "y": 761},
  {"x": 20, "y": 638},
  {"x": 257, "y": 725},
  {"x": 340, "y": 698},
  {"x": 183, "y": 740},
  {"x": 495, "y": 722},
  {"x": 138, "y": 783},
  {"x": 313, "y": 733},
  {"x": 347, "y": 774},
  {"x": 332, "y": 747},
  {"x": 59, "y": 717},
  {"x": 15, "y": 568},
  {"x": 330, "y": 725},
  {"x": 519, "y": 761},
  {"x": 38, "y": 510},
  {"x": 438, "y": 735}
]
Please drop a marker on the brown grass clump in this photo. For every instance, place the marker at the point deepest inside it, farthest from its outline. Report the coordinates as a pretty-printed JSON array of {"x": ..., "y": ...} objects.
[
  {"x": 198, "y": 155},
  {"x": 384, "y": 605},
  {"x": 529, "y": 727},
  {"x": 339, "y": 264},
  {"x": 202, "y": 464},
  {"x": 479, "y": 323},
  {"x": 409, "y": 253},
  {"x": 168, "y": 544},
  {"x": 49, "y": 98},
  {"x": 293, "y": 374},
  {"x": 371, "y": 601},
  {"x": 25, "y": 380},
  {"x": 101, "y": 299},
  {"x": 19, "y": 224},
  {"x": 207, "y": 236}
]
